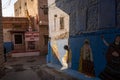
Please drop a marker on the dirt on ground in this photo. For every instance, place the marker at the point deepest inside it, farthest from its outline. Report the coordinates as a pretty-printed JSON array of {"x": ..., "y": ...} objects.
[{"x": 32, "y": 68}]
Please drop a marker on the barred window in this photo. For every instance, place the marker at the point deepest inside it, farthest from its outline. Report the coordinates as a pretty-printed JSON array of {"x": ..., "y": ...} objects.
[{"x": 18, "y": 39}]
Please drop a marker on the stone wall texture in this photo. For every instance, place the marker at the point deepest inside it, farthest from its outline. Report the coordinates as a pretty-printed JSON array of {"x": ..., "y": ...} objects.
[
  {"x": 55, "y": 13},
  {"x": 83, "y": 14},
  {"x": 90, "y": 15},
  {"x": 36, "y": 9},
  {"x": 13, "y": 24},
  {"x": 21, "y": 5},
  {"x": 1, "y": 44}
]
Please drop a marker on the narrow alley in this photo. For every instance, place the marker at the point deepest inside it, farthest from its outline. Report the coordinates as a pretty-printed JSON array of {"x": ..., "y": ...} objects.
[
  {"x": 31, "y": 68},
  {"x": 23, "y": 68},
  {"x": 60, "y": 40}
]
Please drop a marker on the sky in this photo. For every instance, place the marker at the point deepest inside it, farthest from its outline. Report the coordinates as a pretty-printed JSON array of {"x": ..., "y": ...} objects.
[{"x": 8, "y": 8}]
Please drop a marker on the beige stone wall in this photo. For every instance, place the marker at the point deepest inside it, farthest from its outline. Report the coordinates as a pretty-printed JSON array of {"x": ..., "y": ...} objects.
[
  {"x": 35, "y": 7},
  {"x": 21, "y": 5},
  {"x": 1, "y": 44},
  {"x": 12, "y": 26},
  {"x": 10, "y": 22},
  {"x": 54, "y": 21},
  {"x": 7, "y": 36},
  {"x": 36, "y": 10}
]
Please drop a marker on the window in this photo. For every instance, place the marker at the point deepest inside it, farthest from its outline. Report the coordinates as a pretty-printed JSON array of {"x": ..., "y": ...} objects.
[
  {"x": 18, "y": 38},
  {"x": 15, "y": 10},
  {"x": 46, "y": 39},
  {"x": 44, "y": 9},
  {"x": 55, "y": 21},
  {"x": 25, "y": 4},
  {"x": 61, "y": 22},
  {"x": 20, "y": 10}
]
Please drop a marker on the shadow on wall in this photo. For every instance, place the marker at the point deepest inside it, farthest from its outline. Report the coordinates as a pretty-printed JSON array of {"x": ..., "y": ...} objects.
[{"x": 84, "y": 18}]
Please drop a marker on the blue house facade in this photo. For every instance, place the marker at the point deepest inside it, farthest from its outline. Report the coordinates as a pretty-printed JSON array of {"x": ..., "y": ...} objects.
[{"x": 94, "y": 37}]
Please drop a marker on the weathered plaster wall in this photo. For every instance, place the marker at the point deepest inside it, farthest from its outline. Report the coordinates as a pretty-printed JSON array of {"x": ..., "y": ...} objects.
[
  {"x": 54, "y": 21},
  {"x": 36, "y": 10},
  {"x": 42, "y": 6},
  {"x": 89, "y": 15},
  {"x": 88, "y": 19},
  {"x": 13, "y": 23},
  {"x": 7, "y": 35},
  {"x": 21, "y": 5},
  {"x": 10, "y": 25}
]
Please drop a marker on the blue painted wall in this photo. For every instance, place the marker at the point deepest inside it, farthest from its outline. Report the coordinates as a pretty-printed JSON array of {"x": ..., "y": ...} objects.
[
  {"x": 60, "y": 46},
  {"x": 91, "y": 19},
  {"x": 50, "y": 57},
  {"x": 98, "y": 47}
]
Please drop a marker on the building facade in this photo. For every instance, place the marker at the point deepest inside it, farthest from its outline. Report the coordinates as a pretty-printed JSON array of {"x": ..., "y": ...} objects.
[
  {"x": 14, "y": 29},
  {"x": 1, "y": 45},
  {"x": 37, "y": 9},
  {"x": 93, "y": 25},
  {"x": 58, "y": 30}
]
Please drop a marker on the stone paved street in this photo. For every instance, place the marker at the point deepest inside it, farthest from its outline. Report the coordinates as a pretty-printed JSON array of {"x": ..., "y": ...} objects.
[
  {"x": 23, "y": 68},
  {"x": 32, "y": 68}
]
